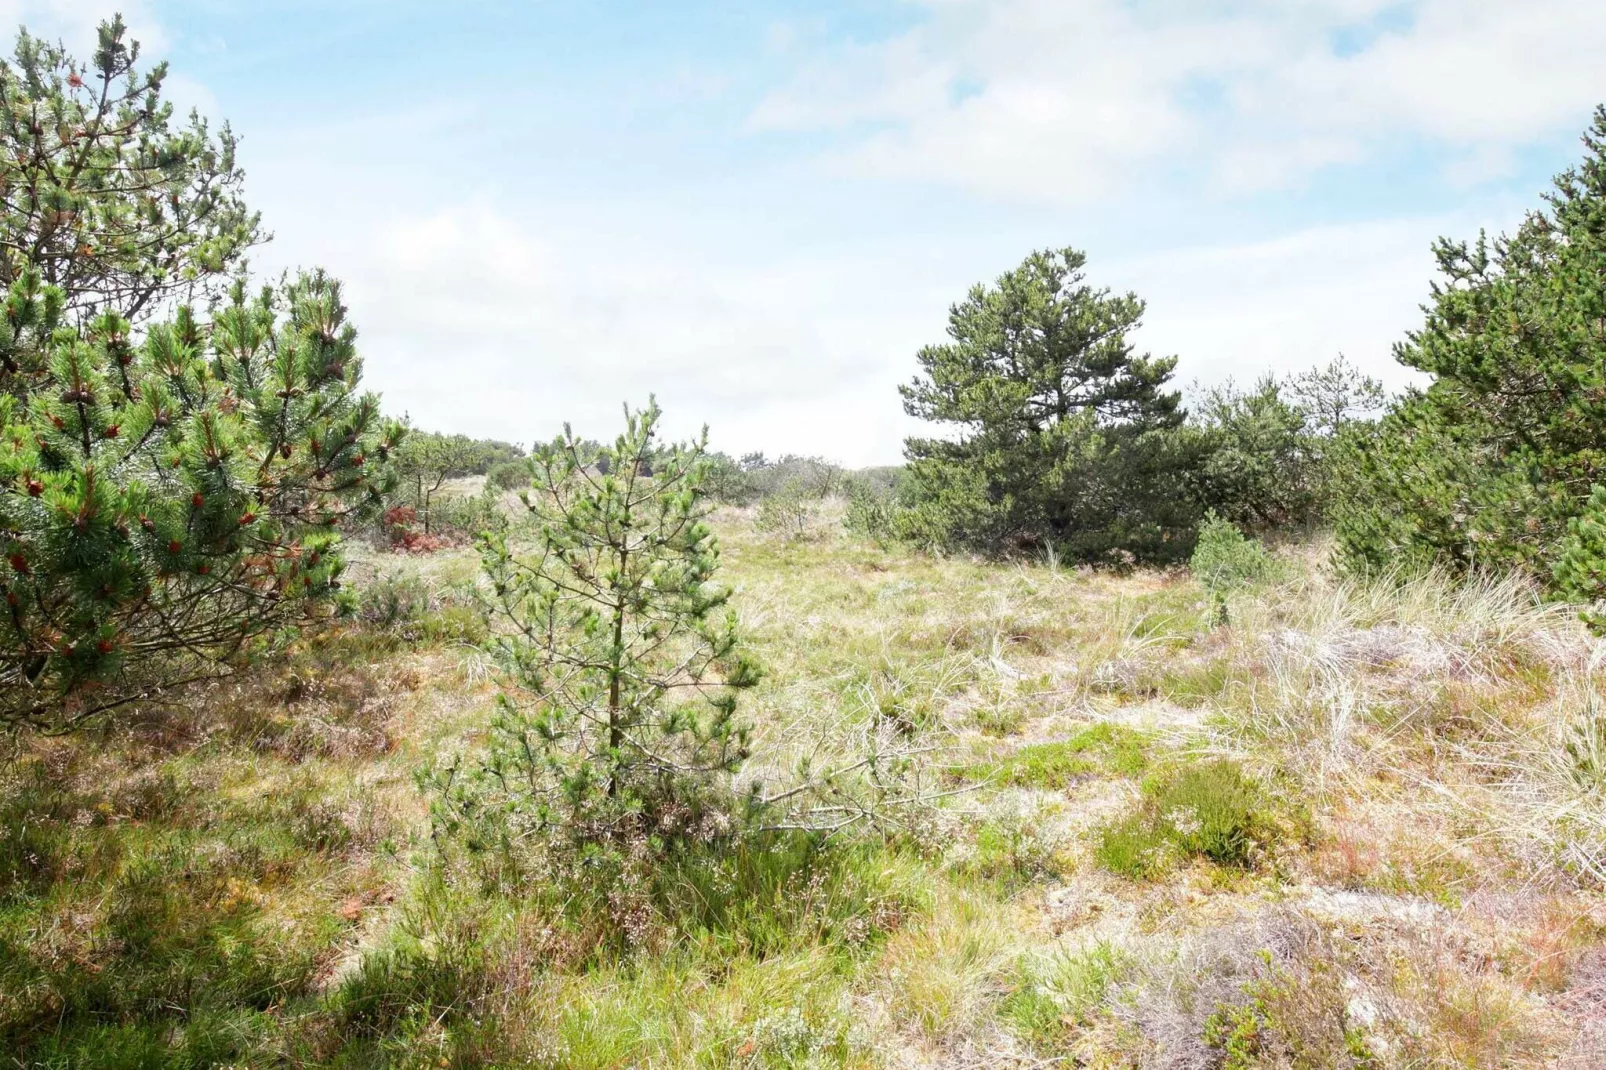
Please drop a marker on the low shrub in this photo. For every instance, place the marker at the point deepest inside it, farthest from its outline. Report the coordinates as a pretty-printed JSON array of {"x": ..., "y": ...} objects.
[
  {"x": 405, "y": 605},
  {"x": 789, "y": 512},
  {"x": 1015, "y": 845},
  {"x": 1225, "y": 561},
  {"x": 463, "y": 518},
  {"x": 391, "y": 600},
  {"x": 870, "y": 512},
  {"x": 454, "y": 521},
  {"x": 400, "y": 529},
  {"x": 508, "y": 475},
  {"x": 132, "y": 932},
  {"x": 1212, "y": 810}
]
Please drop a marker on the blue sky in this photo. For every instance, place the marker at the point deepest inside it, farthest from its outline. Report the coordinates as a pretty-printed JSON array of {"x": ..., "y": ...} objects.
[{"x": 760, "y": 210}]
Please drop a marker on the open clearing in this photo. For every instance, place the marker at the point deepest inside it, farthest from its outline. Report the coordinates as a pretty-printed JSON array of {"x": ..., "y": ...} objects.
[{"x": 1355, "y": 826}]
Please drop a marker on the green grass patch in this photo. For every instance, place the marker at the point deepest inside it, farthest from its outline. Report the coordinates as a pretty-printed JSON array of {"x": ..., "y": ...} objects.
[
  {"x": 1055, "y": 994},
  {"x": 1103, "y": 748},
  {"x": 624, "y": 965},
  {"x": 1211, "y": 810},
  {"x": 1198, "y": 684},
  {"x": 1012, "y": 848}
]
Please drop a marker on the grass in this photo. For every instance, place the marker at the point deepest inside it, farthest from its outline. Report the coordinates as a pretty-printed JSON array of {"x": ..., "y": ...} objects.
[
  {"x": 1365, "y": 821},
  {"x": 1211, "y": 810},
  {"x": 1100, "y": 749},
  {"x": 1058, "y": 992}
]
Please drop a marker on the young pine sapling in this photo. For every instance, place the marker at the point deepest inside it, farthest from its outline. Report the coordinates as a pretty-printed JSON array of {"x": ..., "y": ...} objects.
[{"x": 619, "y": 652}]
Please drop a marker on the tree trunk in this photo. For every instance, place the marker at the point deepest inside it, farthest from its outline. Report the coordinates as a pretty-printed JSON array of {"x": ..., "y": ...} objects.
[{"x": 615, "y": 729}]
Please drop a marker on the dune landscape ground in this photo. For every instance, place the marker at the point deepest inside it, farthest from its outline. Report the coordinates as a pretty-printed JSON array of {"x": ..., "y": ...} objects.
[{"x": 1354, "y": 825}]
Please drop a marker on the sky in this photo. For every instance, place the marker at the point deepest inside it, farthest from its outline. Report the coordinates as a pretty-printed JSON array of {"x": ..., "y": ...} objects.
[{"x": 759, "y": 210}]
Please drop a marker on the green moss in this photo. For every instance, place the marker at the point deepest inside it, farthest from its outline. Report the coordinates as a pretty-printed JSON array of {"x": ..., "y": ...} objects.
[{"x": 1101, "y": 748}]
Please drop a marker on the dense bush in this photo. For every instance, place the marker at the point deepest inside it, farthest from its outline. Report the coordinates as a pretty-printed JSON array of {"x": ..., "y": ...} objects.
[
  {"x": 428, "y": 461},
  {"x": 755, "y": 477},
  {"x": 1581, "y": 567},
  {"x": 789, "y": 511},
  {"x": 1258, "y": 462},
  {"x": 872, "y": 509},
  {"x": 728, "y": 482},
  {"x": 1066, "y": 435},
  {"x": 166, "y": 502},
  {"x": 508, "y": 475},
  {"x": 1266, "y": 455},
  {"x": 1492, "y": 465}
]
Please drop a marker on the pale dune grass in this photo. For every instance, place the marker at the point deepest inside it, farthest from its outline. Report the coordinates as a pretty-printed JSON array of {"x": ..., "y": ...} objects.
[{"x": 1433, "y": 746}]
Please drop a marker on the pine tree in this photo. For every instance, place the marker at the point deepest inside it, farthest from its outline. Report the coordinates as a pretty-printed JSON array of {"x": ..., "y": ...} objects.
[
  {"x": 1581, "y": 564},
  {"x": 1488, "y": 466},
  {"x": 102, "y": 193},
  {"x": 169, "y": 503},
  {"x": 622, "y": 661},
  {"x": 1334, "y": 396},
  {"x": 427, "y": 460},
  {"x": 1062, "y": 425},
  {"x": 1260, "y": 465}
]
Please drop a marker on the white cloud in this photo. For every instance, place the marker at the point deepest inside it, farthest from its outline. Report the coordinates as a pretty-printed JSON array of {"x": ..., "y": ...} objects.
[
  {"x": 1279, "y": 306},
  {"x": 505, "y": 312},
  {"x": 1468, "y": 71},
  {"x": 476, "y": 320},
  {"x": 1064, "y": 100},
  {"x": 73, "y": 22}
]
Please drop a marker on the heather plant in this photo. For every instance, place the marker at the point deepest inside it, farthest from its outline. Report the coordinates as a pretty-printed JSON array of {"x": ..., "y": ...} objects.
[{"x": 1211, "y": 810}]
